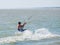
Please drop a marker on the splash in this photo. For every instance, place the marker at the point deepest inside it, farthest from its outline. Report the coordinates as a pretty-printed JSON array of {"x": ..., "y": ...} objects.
[{"x": 28, "y": 35}]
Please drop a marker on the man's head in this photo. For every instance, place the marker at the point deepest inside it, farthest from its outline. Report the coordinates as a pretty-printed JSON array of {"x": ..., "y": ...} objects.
[{"x": 19, "y": 22}]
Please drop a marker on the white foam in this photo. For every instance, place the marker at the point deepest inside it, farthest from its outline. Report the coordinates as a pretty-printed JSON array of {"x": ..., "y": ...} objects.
[{"x": 28, "y": 35}]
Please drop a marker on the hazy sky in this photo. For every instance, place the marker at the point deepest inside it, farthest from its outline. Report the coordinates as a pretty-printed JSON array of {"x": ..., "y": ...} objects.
[{"x": 12, "y": 4}]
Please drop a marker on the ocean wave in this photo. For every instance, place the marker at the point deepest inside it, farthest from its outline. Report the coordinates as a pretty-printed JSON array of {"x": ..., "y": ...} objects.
[{"x": 29, "y": 35}]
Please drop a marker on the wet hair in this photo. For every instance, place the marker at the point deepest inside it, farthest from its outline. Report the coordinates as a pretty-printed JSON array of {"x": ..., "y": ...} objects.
[{"x": 19, "y": 22}]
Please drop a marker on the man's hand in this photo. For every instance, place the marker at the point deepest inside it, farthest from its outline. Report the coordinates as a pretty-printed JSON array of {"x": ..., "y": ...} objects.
[{"x": 25, "y": 23}]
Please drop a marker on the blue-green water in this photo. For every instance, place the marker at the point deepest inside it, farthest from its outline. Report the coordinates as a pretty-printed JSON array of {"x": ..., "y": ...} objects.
[{"x": 43, "y": 27}]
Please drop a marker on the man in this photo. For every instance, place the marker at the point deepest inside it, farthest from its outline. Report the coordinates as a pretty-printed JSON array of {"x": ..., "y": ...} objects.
[{"x": 20, "y": 26}]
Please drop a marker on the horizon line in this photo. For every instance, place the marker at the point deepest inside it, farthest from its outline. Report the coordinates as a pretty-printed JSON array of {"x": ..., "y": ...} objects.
[{"x": 30, "y": 8}]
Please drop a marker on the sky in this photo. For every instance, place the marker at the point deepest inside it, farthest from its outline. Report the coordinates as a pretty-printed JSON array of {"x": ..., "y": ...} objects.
[{"x": 18, "y": 4}]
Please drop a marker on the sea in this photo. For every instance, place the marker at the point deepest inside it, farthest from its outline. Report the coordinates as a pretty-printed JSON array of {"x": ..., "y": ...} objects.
[{"x": 42, "y": 28}]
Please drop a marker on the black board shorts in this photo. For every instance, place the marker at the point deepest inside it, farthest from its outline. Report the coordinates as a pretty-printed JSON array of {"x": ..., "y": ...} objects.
[{"x": 21, "y": 30}]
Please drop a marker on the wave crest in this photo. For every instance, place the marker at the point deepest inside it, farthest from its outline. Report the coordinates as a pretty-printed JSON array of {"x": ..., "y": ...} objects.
[{"x": 28, "y": 35}]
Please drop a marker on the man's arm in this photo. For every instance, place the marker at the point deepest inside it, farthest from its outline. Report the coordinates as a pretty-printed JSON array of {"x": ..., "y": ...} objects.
[{"x": 24, "y": 24}]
